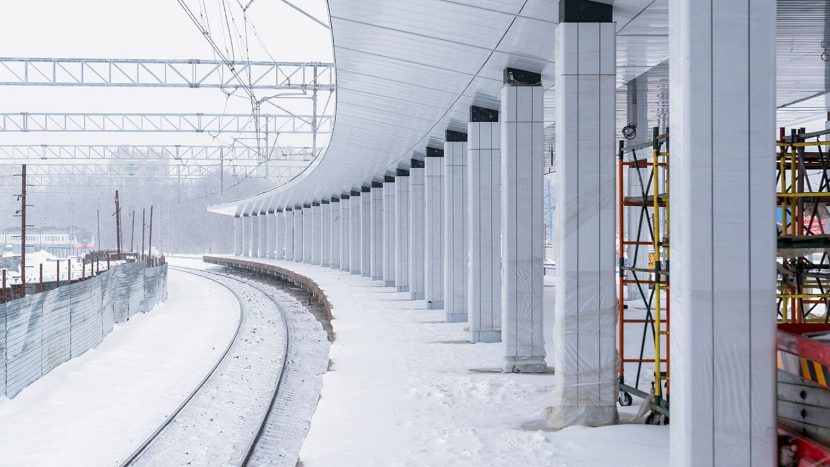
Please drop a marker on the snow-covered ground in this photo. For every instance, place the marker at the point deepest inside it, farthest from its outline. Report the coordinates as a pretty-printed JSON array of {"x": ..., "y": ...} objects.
[
  {"x": 96, "y": 409},
  {"x": 405, "y": 389}
]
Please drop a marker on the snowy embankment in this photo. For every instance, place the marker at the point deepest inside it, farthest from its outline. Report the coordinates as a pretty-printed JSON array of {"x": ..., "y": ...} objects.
[
  {"x": 95, "y": 409},
  {"x": 405, "y": 388}
]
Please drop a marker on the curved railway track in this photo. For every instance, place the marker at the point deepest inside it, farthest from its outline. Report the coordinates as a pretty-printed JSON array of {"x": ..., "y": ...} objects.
[{"x": 256, "y": 452}]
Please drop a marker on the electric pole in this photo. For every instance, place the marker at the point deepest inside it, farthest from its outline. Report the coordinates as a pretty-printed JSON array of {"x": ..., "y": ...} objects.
[
  {"x": 150, "y": 240},
  {"x": 132, "y": 232},
  {"x": 117, "y": 224},
  {"x": 23, "y": 230},
  {"x": 143, "y": 229}
]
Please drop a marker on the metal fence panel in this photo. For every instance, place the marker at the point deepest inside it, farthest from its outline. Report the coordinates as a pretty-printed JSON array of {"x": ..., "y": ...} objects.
[
  {"x": 56, "y": 343},
  {"x": 3, "y": 348},
  {"x": 85, "y": 315},
  {"x": 23, "y": 338},
  {"x": 43, "y": 330}
]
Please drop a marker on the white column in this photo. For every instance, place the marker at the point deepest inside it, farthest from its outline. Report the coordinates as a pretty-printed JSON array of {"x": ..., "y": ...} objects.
[
  {"x": 335, "y": 235},
  {"x": 417, "y": 233},
  {"x": 237, "y": 235},
  {"x": 249, "y": 229},
  {"x": 288, "y": 230},
  {"x": 255, "y": 234},
  {"x": 299, "y": 245},
  {"x": 389, "y": 231},
  {"x": 402, "y": 231},
  {"x": 279, "y": 234},
  {"x": 484, "y": 236},
  {"x": 354, "y": 233},
  {"x": 308, "y": 232},
  {"x": 316, "y": 233},
  {"x": 270, "y": 232},
  {"x": 325, "y": 233},
  {"x": 345, "y": 230},
  {"x": 455, "y": 227},
  {"x": 377, "y": 231},
  {"x": 522, "y": 226},
  {"x": 434, "y": 228},
  {"x": 262, "y": 218},
  {"x": 584, "y": 332},
  {"x": 366, "y": 231},
  {"x": 723, "y": 240}
]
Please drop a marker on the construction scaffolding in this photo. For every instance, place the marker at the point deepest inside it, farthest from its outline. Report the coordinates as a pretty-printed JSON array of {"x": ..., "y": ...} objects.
[
  {"x": 644, "y": 316},
  {"x": 803, "y": 180}
]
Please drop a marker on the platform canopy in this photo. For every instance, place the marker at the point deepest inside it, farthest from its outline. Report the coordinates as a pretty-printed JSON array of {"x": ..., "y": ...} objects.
[{"x": 408, "y": 70}]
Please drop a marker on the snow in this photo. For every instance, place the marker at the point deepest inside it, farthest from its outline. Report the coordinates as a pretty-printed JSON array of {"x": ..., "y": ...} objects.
[
  {"x": 405, "y": 389},
  {"x": 96, "y": 409}
]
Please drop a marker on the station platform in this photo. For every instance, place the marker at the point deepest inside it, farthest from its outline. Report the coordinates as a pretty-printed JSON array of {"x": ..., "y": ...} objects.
[{"x": 406, "y": 388}]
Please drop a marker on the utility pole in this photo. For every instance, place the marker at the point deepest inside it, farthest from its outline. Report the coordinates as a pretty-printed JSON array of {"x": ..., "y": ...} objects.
[
  {"x": 143, "y": 229},
  {"x": 132, "y": 232},
  {"x": 150, "y": 240},
  {"x": 117, "y": 224},
  {"x": 23, "y": 230},
  {"x": 98, "y": 221}
]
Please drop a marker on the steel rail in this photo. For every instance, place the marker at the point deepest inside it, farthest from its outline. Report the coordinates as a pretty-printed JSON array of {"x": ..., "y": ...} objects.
[{"x": 242, "y": 307}]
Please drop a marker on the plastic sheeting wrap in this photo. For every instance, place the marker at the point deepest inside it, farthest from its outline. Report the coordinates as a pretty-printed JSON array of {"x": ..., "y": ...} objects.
[{"x": 41, "y": 331}]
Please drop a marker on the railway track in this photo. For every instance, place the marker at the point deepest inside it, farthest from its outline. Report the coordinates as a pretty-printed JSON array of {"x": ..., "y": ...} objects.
[{"x": 258, "y": 448}]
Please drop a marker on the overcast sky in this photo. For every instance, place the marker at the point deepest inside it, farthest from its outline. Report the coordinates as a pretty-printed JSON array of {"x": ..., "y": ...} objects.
[{"x": 144, "y": 29}]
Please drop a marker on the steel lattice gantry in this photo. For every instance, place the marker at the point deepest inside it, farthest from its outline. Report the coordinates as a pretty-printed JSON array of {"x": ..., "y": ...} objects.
[
  {"x": 163, "y": 123},
  {"x": 90, "y": 154},
  {"x": 311, "y": 76}
]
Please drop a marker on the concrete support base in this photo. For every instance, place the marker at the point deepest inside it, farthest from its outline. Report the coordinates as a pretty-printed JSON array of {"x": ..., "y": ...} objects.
[
  {"x": 439, "y": 305},
  {"x": 485, "y": 336}
]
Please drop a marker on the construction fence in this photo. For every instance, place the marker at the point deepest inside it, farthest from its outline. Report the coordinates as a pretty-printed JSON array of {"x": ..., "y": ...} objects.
[{"x": 38, "y": 332}]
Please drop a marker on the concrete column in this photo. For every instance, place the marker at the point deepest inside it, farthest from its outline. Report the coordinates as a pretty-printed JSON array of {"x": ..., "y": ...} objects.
[
  {"x": 455, "y": 226},
  {"x": 484, "y": 236},
  {"x": 366, "y": 231},
  {"x": 723, "y": 242},
  {"x": 417, "y": 232},
  {"x": 345, "y": 231},
  {"x": 237, "y": 235},
  {"x": 584, "y": 332},
  {"x": 299, "y": 245},
  {"x": 288, "y": 230},
  {"x": 325, "y": 233},
  {"x": 263, "y": 233},
  {"x": 522, "y": 223},
  {"x": 243, "y": 231},
  {"x": 377, "y": 231},
  {"x": 354, "y": 233},
  {"x": 279, "y": 234},
  {"x": 308, "y": 232},
  {"x": 389, "y": 231},
  {"x": 636, "y": 219},
  {"x": 270, "y": 232},
  {"x": 335, "y": 235},
  {"x": 316, "y": 233},
  {"x": 402, "y": 231},
  {"x": 255, "y": 234},
  {"x": 434, "y": 229},
  {"x": 249, "y": 229}
]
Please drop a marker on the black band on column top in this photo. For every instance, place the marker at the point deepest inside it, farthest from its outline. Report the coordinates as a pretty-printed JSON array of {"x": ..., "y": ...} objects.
[
  {"x": 365, "y": 188},
  {"x": 585, "y": 11},
  {"x": 435, "y": 152},
  {"x": 417, "y": 163},
  {"x": 455, "y": 136},
  {"x": 516, "y": 77},
  {"x": 289, "y": 209},
  {"x": 325, "y": 201},
  {"x": 315, "y": 203},
  {"x": 306, "y": 206},
  {"x": 388, "y": 179},
  {"x": 271, "y": 211},
  {"x": 344, "y": 196},
  {"x": 481, "y": 114},
  {"x": 355, "y": 193},
  {"x": 402, "y": 173},
  {"x": 279, "y": 211},
  {"x": 377, "y": 184},
  {"x": 335, "y": 199},
  {"x": 263, "y": 213}
]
